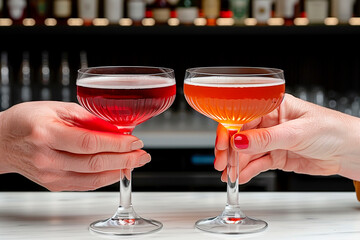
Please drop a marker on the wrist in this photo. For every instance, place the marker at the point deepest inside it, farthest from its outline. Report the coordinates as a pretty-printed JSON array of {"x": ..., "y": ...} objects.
[
  {"x": 350, "y": 162},
  {"x": 4, "y": 166}
]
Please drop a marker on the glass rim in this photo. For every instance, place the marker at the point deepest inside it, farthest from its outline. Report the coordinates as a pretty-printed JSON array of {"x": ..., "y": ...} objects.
[
  {"x": 162, "y": 70},
  {"x": 202, "y": 71}
]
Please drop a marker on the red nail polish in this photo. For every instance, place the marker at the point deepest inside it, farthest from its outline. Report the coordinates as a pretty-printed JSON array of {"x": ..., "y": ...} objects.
[{"x": 241, "y": 141}]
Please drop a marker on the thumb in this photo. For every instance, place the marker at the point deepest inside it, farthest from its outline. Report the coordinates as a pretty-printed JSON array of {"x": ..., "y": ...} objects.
[{"x": 264, "y": 140}]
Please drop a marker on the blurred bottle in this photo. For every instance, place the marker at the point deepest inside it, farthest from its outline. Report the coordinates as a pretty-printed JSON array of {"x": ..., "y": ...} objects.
[
  {"x": 17, "y": 10},
  {"x": 83, "y": 59},
  {"x": 300, "y": 9},
  {"x": 317, "y": 95},
  {"x": 88, "y": 10},
  {"x": 317, "y": 11},
  {"x": 114, "y": 10},
  {"x": 2, "y": 9},
  {"x": 342, "y": 10},
  {"x": 240, "y": 10},
  {"x": 136, "y": 10},
  {"x": 39, "y": 10},
  {"x": 332, "y": 99},
  {"x": 173, "y": 4},
  {"x": 286, "y": 9},
  {"x": 148, "y": 8},
  {"x": 44, "y": 81},
  {"x": 344, "y": 105},
  {"x": 5, "y": 87},
  {"x": 302, "y": 93},
  {"x": 225, "y": 9},
  {"x": 25, "y": 88},
  {"x": 355, "y": 106},
  {"x": 357, "y": 8},
  {"x": 161, "y": 11},
  {"x": 262, "y": 11},
  {"x": 62, "y": 10},
  {"x": 187, "y": 11},
  {"x": 64, "y": 79},
  {"x": 211, "y": 11}
]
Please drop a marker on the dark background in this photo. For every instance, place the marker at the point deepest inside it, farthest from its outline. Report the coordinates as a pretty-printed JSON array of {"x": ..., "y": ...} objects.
[{"x": 311, "y": 56}]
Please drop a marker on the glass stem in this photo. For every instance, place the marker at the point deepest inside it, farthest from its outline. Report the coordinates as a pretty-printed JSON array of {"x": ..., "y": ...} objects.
[
  {"x": 232, "y": 174},
  {"x": 125, "y": 209},
  {"x": 125, "y": 189},
  {"x": 232, "y": 213}
]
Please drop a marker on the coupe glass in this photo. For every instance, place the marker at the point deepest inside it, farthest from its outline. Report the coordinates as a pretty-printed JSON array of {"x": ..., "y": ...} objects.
[
  {"x": 126, "y": 96},
  {"x": 233, "y": 96}
]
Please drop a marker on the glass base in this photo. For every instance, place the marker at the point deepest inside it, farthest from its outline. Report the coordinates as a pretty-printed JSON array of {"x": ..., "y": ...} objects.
[
  {"x": 125, "y": 223},
  {"x": 230, "y": 225}
]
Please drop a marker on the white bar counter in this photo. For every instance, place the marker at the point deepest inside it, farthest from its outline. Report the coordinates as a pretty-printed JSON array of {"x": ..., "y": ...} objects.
[{"x": 290, "y": 215}]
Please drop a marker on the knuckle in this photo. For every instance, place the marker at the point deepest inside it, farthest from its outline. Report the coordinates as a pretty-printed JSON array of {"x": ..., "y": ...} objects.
[
  {"x": 296, "y": 134},
  {"x": 55, "y": 188},
  {"x": 96, "y": 163},
  {"x": 41, "y": 162},
  {"x": 121, "y": 145},
  {"x": 130, "y": 161},
  {"x": 97, "y": 182},
  {"x": 266, "y": 138},
  {"x": 47, "y": 178},
  {"x": 38, "y": 135},
  {"x": 60, "y": 186},
  {"x": 89, "y": 142}
]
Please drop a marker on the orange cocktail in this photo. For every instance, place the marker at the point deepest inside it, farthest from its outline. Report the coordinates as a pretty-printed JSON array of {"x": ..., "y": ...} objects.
[
  {"x": 233, "y": 96},
  {"x": 233, "y": 101}
]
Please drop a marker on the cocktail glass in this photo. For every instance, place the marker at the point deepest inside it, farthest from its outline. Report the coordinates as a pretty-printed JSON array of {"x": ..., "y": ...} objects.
[
  {"x": 233, "y": 96},
  {"x": 126, "y": 96}
]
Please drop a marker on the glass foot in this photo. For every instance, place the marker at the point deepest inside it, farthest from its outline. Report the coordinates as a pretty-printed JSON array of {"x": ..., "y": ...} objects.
[
  {"x": 125, "y": 223},
  {"x": 231, "y": 225}
]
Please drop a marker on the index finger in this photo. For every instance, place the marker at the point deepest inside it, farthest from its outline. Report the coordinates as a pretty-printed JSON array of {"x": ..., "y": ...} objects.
[
  {"x": 85, "y": 141},
  {"x": 222, "y": 138},
  {"x": 221, "y": 146}
]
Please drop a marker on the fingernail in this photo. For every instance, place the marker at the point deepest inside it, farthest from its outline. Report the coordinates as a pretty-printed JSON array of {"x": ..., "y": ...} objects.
[
  {"x": 223, "y": 177},
  {"x": 137, "y": 145},
  {"x": 241, "y": 141},
  {"x": 145, "y": 158}
]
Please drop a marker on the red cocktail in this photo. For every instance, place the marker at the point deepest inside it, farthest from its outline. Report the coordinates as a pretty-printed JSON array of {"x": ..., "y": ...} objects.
[
  {"x": 233, "y": 96},
  {"x": 126, "y": 101},
  {"x": 126, "y": 97}
]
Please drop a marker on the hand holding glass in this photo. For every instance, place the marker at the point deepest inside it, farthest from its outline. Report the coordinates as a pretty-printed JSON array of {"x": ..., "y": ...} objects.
[
  {"x": 233, "y": 96},
  {"x": 126, "y": 97}
]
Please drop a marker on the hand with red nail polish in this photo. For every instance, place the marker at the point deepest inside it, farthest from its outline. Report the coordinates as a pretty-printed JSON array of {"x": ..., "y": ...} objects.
[
  {"x": 241, "y": 141},
  {"x": 61, "y": 146},
  {"x": 298, "y": 136}
]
